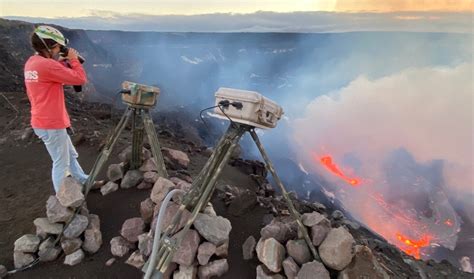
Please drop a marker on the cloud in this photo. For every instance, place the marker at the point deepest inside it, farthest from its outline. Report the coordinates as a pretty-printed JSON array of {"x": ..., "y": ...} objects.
[{"x": 270, "y": 22}]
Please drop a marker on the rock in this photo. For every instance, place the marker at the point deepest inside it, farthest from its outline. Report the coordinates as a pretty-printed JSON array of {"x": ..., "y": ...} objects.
[
  {"x": 131, "y": 179},
  {"x": 150, "y": 177},
  {"x": 216, "y": 268},
  {"x": 171, "y": 211},
  {"x": 3, "y": 271},
  {"x": 290, "y": 267},
  {"x": 271, "y": 253},
  {"x": 320, "y": 231},
  {"x": 466, "y": 264},
  {"x": 148, "y": 166},
  {"x": 177, "y": 157},
  {"x": 209, "y": 210},
  {"x": 27, "y": 133},
  {"x": 74, "y": 258},
  {"x": 276, "y": 230},
  {"x": 47, "y": 251},
  {"x": 136, "y": 259},
  {"x": 92, "y": 240},
  {"x": 214, "y": 229},
  {"x": 223, "y": 250},
  {"x": 146, "y": 210},
  {"x": 76, "y": 227},
  {"x": 70, "y": 193},
  {"x": 160, "y": 189},
  {"x": 94, "y": 222},
  {"x": 337, "y": 215},
  {"x": 110, "y": 262},
  {"x": 56, "y": 212},
  {"x": 264, "y": 273},
  {"x": 21, "y": 259},
  {"x": 363, "y": 265},
  {"x": 248, "y": 247},
  {"x": 132, "y": 228},
  {"x": 186, "y": 254},
  {"x": 354, "y": 225},
  {"x": 313, "y": 270},
  {"x": 299, "y": 251},
  {"x": 28, "y": 243},
  {"x": 205, "y": 252},
  {"x": 108, "y": 188},
  {"x": 43, "y": 226},
  {"x": 311, "y": 219},
  {"x": 71, "y": 245},
  {"x": 144, "y": 185},
  {"x": 186, "y": 272},
  {"x": 119, "y": 246},
  {"x": 145, "y": 244},
  {"x": 126, "y": 154},
  {"x": 336, "y": 251},
  {"x": 114, "y": 172}
]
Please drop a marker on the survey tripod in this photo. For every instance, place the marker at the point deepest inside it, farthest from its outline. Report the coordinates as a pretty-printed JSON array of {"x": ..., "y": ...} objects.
[
  {"x": 141, "y": 121},
  {"x": 201, "y": 192}
]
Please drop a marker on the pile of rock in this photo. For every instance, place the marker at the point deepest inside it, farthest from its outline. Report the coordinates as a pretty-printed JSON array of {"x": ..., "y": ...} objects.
[
  {"x": 203, "y": 250},
  {"x": 284, "y": 253},
  {"x": 81, "y": 235}
]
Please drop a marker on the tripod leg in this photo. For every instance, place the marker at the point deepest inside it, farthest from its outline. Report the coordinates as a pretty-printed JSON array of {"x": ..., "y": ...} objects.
[
  {"x": 137, "y": 140},
  {"x": 291, "y": 207},
  {"x": 106, "y": 150},
  {"x": 155, "y": 144}
]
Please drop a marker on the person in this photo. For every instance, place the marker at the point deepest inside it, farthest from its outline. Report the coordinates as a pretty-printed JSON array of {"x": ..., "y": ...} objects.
[{"x": 45, "y": 76}]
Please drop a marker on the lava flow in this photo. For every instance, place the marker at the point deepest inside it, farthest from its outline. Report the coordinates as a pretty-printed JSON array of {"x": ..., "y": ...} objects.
[
  {"x": 412, "y": 247},
  {"x": 332, "y": 167}
]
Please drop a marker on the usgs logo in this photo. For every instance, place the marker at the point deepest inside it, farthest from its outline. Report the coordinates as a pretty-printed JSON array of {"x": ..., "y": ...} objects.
[{"x": 31, "y": 76}]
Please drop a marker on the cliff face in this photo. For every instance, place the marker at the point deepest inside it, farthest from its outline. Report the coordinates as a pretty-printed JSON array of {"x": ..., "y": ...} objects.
[{"x": 15, "y": 50}]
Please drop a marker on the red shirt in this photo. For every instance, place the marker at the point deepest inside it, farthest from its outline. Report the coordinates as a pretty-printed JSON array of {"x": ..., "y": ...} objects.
[{"x": 44, "y": 79}]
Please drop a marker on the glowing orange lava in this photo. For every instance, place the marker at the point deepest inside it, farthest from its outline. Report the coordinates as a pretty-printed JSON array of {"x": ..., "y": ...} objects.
[
  {"x": 328, "y": 163},
  {"x": 412, "y": 247}
]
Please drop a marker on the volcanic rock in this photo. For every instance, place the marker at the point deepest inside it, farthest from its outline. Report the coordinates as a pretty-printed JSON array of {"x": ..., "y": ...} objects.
[
  {"x": 276, "y": 230},
  {"x": 337, "y": 215},
  {"x": 132, "y": 228},
  {"x": 264, "y": 273},
  {"x": 56, "y": 212},
  {"x": 170, "y": 212},
  {"x": 94, "y": 222},
  {"x": 320, "y": 231},
  {"x": 126, "y": 154},
  {"x": 242, "y": 203},
  {"x": 248, "y": 247},
  {"x": 177, "y": 157},
  {"x": 313, "y": 270},
  {"x": 223, "y": 250},
  {"x": 146, "y": 210},
  {"x": 145, "y": 244},
  {"x": 119, "y": 246},
  {"x": 70, "y": 193},
  {"x": 299, "y": 251},
  {"x": 148, "y": 166},
  {"x": 92, "y": 240},
  {"x": 205, "y": 252},
  {"x": 21, "y": 259},
  {"x": 186, "y": 253},
  {"x": 160, "y": 189},
  {"x": 136, "y": 259},
  {"x": 363, "y": 265},
  {"x": 271, "y": 253},
  {"x": 47, "y": 251},
  {"x": 114, "y": 172},
  {"x": 466, "y": 264},
  {"x": 144, "y": 185},
  {"x": 209, "y": 210},
  {"x": 336, "y": 251},
  {"x": 131, "y": 179},
  {"x": 77, "y": 226},
  {"x": 108, "y": 188},
  {"x": 43, "y": 226},
  {"x": 186, "y": 272},
  {"x": 311, "y": 219},
  {"x": 216, "y": 268},
  {"x": 74, "y": 258},
  {"x": 290, "y": 267},
  {"x": 150, "y": 177},
  {"x": 214, "y": 229},
  {"x": 28, "y": 243},
  {"x": 71, "y": 245},
  {"x": 110, "y": 262}
]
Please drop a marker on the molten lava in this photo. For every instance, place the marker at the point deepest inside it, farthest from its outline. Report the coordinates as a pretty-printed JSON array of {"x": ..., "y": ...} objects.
[
  {"x": 332, "y": 167},
  {"x": 412, "y": 247}
]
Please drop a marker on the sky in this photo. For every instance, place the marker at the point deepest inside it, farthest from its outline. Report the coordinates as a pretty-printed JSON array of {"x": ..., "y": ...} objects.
[
  {"x": 454, "y": 16},
  {"x": 61, "y": 8}
]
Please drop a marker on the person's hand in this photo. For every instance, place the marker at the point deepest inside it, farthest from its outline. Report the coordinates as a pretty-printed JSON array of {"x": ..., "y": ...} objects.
[{"x": 72, "y": 54}]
